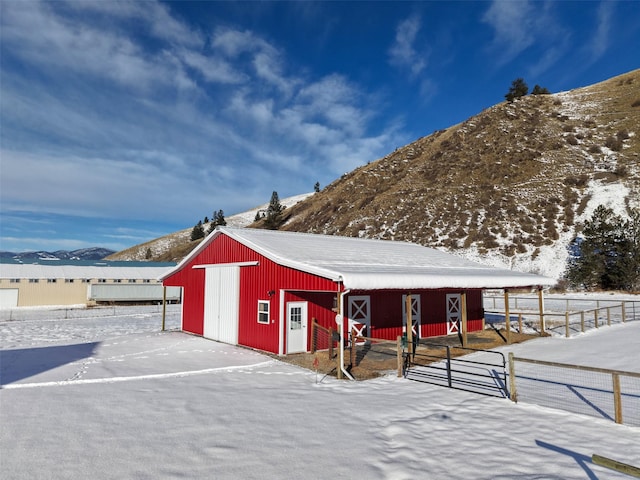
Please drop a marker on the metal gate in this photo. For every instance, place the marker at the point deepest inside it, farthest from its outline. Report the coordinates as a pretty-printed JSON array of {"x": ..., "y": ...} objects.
[{"x": 484, "y": 372}]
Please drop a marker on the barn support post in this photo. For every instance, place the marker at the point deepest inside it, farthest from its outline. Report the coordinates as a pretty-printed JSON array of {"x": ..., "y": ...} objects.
[
  {"x": 541, "y": 310},
  {"x": 463, "y": 301},
  {"x": 164, "y": 306},
  {"x": 409, "y": 326},
  {"x": 507, "y": 318},
  {"x": 340, "y": 320}
]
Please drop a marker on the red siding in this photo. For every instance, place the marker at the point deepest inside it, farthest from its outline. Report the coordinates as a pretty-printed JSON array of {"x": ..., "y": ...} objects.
[
  {"x": 265, "y": 281},
  {"x": 255, "y": 284},
  {"x": 386, "y": 312}
]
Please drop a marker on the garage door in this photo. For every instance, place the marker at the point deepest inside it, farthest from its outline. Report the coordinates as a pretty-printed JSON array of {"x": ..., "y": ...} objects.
[
  {"x": 8, "y": 297},
  {"x": 222, "y": 294}
]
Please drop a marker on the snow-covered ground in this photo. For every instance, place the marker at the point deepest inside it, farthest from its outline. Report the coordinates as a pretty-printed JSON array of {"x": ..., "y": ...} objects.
[{"x": 116, "y": 398}]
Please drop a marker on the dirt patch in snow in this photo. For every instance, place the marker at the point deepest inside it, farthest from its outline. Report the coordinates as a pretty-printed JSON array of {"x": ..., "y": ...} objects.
[{"x": 380, "y": 358}]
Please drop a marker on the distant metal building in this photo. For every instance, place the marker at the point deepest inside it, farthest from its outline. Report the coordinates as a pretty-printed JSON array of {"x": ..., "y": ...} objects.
[
  {"x": 27, "y": 285},
  {"x": 261, "y": 288}
]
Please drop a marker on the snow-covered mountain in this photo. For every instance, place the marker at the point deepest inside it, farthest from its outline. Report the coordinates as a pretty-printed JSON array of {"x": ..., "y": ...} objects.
[
  {"x": 174, "y": 246},
  {"x": 95, "y": 253}
]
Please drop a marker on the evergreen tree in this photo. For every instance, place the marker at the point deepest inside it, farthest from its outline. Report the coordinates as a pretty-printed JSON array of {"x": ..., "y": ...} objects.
[
  {"x": 206, "y": 220},
  {"x": 273, "y": 218},
  {"x": 316, "y": 187},
  {"x": 148, "y": 254},
  {"x": 198, "y": 231},
  {"x": 518, "y": 88},
  {"x": 219, "y": 218},
  {"x": 608, "y": 256},
  {"x": 538, "y": 90}
]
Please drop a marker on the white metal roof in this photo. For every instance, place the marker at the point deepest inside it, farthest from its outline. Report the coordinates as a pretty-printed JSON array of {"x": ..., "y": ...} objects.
[
  {"x": 365, "y": 264},
  {"x": 15, "y": 270}
]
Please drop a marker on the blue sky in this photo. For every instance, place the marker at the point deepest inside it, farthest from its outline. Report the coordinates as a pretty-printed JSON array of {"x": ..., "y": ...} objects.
[{"x": 124, "y": 121}]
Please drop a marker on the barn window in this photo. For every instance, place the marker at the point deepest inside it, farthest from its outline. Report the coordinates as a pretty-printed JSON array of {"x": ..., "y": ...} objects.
[
  {"x": 51, "y": 280},
  {"x": 263, "y": 311},
  {"x": 68, "y": 280},
  {"x": 33, "y": 280}
]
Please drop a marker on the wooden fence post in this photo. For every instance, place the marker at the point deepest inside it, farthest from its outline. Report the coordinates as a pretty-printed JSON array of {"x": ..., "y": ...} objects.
[
  {"x": 507, "y": 317},
  {"x": 617, "y": 398},
  {"x": 352, "y": 352},
  {"x": 624, "y": 313},
  {"x": 609, "y": 316},
  {"x": 512, "y": 378},
  {"x": 582, "y": 321},
  {"x": 399, "y": 354},
  {"x": 330, "y": 343},
  {"x": 595, "y": 317},
  {"x": 520, "y": 322},
  {"x": 566, "y": 325},
  {"x": 164, "y": 306},
  {"x": 543, "y": 327},
  {"x": 314, "y": 335}
]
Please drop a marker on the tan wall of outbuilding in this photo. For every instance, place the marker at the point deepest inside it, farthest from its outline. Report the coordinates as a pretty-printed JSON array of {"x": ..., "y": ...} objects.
[
  {"x": 48, "y": 293},
  {"x": 60, "y": 292}
]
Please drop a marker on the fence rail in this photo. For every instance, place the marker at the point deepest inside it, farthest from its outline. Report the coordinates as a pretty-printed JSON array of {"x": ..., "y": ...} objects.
[
  {"x": 571, "y": 322},
  {"x": 600, "y": 392},
  {"x": 65, "y": 313}
]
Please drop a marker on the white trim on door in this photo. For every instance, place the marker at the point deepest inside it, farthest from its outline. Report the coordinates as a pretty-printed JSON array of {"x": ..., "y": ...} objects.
[{"x": 297, "y": 327}]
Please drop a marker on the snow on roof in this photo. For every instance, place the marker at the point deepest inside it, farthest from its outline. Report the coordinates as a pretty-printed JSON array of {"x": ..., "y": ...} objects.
[
  {"x": 366, "y": 264},
  {"x": 9, "y": 270}
]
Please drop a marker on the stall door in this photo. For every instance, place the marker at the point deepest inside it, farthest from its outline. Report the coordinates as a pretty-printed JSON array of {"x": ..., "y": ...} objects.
[
  {"x": 360, "y": 315},
  {"x": 296, "y": 327},
  {"x": 222, "y": 295},
  {"x": 415, "y": 314},
  {"x": 454, "y": 313}
]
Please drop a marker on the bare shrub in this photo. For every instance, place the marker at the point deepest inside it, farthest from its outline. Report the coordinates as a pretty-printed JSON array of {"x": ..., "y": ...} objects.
[
  {"x": 572, "y": 140},
  {"x": 613, "y": 143},
  {"x": 595, "y": 149},
  {"x": 622, "y": 134}
]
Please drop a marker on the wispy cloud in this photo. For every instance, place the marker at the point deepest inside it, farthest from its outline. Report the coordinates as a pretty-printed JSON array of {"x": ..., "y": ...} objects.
[
  {"x": 403, "y": 52},
  {"x": 164, "y": 119},
  {"x": 513, "y": 27},
  {"x": 601, "y": 38},
  {"x": 526, "y": 29}
]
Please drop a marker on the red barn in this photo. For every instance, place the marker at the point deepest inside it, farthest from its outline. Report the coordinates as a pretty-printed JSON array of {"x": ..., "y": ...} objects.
[{"x": 261, "y": 288}]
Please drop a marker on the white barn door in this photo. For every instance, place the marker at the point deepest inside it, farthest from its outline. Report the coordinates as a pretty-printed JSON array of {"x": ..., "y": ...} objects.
[
  {"x": 454, "y": 313},
  {"x": 221, "y": 303}
]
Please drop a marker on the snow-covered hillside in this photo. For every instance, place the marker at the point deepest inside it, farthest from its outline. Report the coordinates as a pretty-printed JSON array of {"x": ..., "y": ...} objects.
[{"x": 171, "y": 241}]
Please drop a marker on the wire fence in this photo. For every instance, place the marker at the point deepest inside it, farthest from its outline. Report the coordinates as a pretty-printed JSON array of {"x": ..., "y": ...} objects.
[
  {"x": 567, "y": 322},
  {"x": 598, "y": 392},
  {"x": 40, "y": 326},
  {"x": 65, "y": 313}
]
